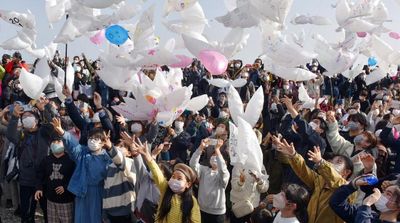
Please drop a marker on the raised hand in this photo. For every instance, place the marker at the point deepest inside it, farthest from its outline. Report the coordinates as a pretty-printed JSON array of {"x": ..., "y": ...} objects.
[
  {"x": 204, "y": 144},
  {"x": 373, "y": 198},
  {"x": 316, "y": 155},
  {"x": 368, "y": 161},
  {"x": 66, "y": 91},
  {"x": 330, "y": 117},
  {"x": 121, "y": 120},
  {"x": 107, "y": 140},
  {"x": 18, "y": 110},
  {"x": 97, "y": 100},
  {"x": 286, "y": 148},
  {"x": 56, "y": 123}
]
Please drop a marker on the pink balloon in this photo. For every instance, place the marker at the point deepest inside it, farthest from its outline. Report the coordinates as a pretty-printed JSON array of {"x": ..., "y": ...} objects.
[
  {"x": 99, "y": 37},
  {"x": 214, "y": 62},
  {"x": 361, "y": 34},
  {"x": 394, "y": 35},
  {"x": 184, "y": 61}
]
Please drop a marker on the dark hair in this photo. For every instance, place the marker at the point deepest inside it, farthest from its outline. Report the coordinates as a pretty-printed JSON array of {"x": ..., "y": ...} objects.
[
  {"x": 261, "y": 215},
  {"x": 186, "y": 205},
  {"x": 358, "y": 117},
  {"x": 381, "y": 125},
  {"x": 297, "y": 194},
  {"x": 96, "y": 133},
  {"x": 364, "y": 93},
  {"x": 348, "y": 164},
  {"x": 322, "y": 124},
  {"x": 17, "y": 55}
]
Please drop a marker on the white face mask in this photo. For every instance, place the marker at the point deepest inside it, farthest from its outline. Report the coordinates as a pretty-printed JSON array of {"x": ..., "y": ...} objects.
[
  {"x": 274, "y": 107},
  {"x": 179, "y": 126},
  {"x": 313, "y": 125},
  {"x": 396, "y": 112},
  {"x": 213, "y": 161},
  {"x": 223, "y": 115},
  {"x": 177, "y": 186},
  {"x": 94, "y": 145},
  {"x": 381, "y": 204},
  {"x": 136, "y": 128},
  {"x": 375, "y": 112},
  {"x": 29, "y": 122},
  {"x": 278, "y": 201}
]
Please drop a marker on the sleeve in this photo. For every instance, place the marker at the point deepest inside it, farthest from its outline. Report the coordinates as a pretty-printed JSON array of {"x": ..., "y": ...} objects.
[
  {"x": 40, "y": 175},
  {"x": 223, "y": 171},
  {"x": 306, "y": 131},
  {"x": 387, "y": 137},
  {"x": 301, "y": 169},
  {"x": 74, "y": 114},
  {"x": 364, "y": 214},
  {"x": 106, "y": 123},
  {"x": 89, "y": 66},
  {"x": 330, "y": 175},
  {"x": 12, "y": 132},
  {"x": 338, "y": 144},
  {"x": 194, "y": 162},
  {"x": 341, "y": 206},
  {"x": 140, "y": 168},
  {"x": 2, "y": 72},
  {"x": 152, "y": 133},
  {"x": 72, "y": 146},
  {"x": 158, "y": 177},
  {"x": 235, "y": 181},
  {"x": 117, "y": 157}
]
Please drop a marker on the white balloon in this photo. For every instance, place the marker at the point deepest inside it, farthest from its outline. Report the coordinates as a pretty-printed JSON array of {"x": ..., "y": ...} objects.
[
  {"x": 235, "y": 105},
  {"x": 375, "y": 76},
  {"x": 31, "y": 84},
  {"x": 222, "y": 83},
  {"x": 68, "y": 32},
  {"x": 230, "y": 4},
  {"x": 275, "y": 10},
  {"x": 358, "y": 25},
  {"x": 55, "y": 9},
  {"x": 343, "y": 11},
  {"x": 99, "y": 4},
  {"x": 294, "y": 74},
  {"x": 177, "y": 5},
  {"x": 195, "y": 46},
  {"x": 299, "y": 38},
  {"x": 286, "y": 54},
  {"x": 133, "y": 110},
  {"x": 120, "y": 78},
  {"x": 23, "y": 20},
  {"x": 381, "y": 48},
  {"x": 240, "y": 17},
  {"x": 42, "y": 69},
  {"x": 236, "y": 158},
  {"x": 234, "y": 42},
  {"x": 248, "y": 144},
  {"x": 354, "y": 72},
  {"x": 143, "y": 36},
  {"x": 197, "y": 103},
  {"x": 334, "y": 61},
  {"x": 14, "y": 43},
  {"x": 254, "y": 107}
]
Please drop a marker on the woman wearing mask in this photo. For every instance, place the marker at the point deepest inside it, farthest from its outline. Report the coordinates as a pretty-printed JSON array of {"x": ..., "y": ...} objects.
[
  {"x": 214, "y": 179},
  {"x": 292, "y": 204},
  {"x": 177, "y": 204},
  {"x": 91, "y": 170}
]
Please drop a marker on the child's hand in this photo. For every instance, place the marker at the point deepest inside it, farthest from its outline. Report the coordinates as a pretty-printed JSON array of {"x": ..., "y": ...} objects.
[
  {"x": 60, "y": 190},
  {"x": 38, "y": 195}
]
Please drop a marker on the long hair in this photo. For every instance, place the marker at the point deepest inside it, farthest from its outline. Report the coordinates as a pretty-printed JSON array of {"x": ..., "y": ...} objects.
[
  {"x": 299, "y": 195},
  {"x": 186, "y": 205}
]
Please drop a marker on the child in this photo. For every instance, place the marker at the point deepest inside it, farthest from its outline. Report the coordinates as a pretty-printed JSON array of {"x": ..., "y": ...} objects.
[
  {"x": 87, "y": 182},
  {"x": 177, "y": 201},
  {"x": 53, "y": 176},
  {"x": 213, "y": 182}
]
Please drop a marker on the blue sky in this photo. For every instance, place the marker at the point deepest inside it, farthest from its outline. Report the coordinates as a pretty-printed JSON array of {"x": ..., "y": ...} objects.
[{"x": 215, "y": 31}]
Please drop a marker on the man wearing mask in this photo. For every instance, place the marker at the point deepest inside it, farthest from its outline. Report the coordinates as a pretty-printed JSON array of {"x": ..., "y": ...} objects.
[
  {"x": 180, "y": 141},
  {"x": 247, "y": 91},
  {"x": 357, "y": 123},
  {"x": 363, "y": 142},
  {"x": 326, "y": 177},
  {"x": 254, "y": 73},
  {"x": 34, "y": 147}
]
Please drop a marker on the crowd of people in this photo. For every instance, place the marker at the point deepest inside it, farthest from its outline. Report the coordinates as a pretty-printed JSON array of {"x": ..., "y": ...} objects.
[{"x": 80, "y": 161}]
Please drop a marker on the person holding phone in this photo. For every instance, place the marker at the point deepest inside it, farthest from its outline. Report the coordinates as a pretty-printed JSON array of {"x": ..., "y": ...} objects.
[{"x": 213, "y": 180}]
